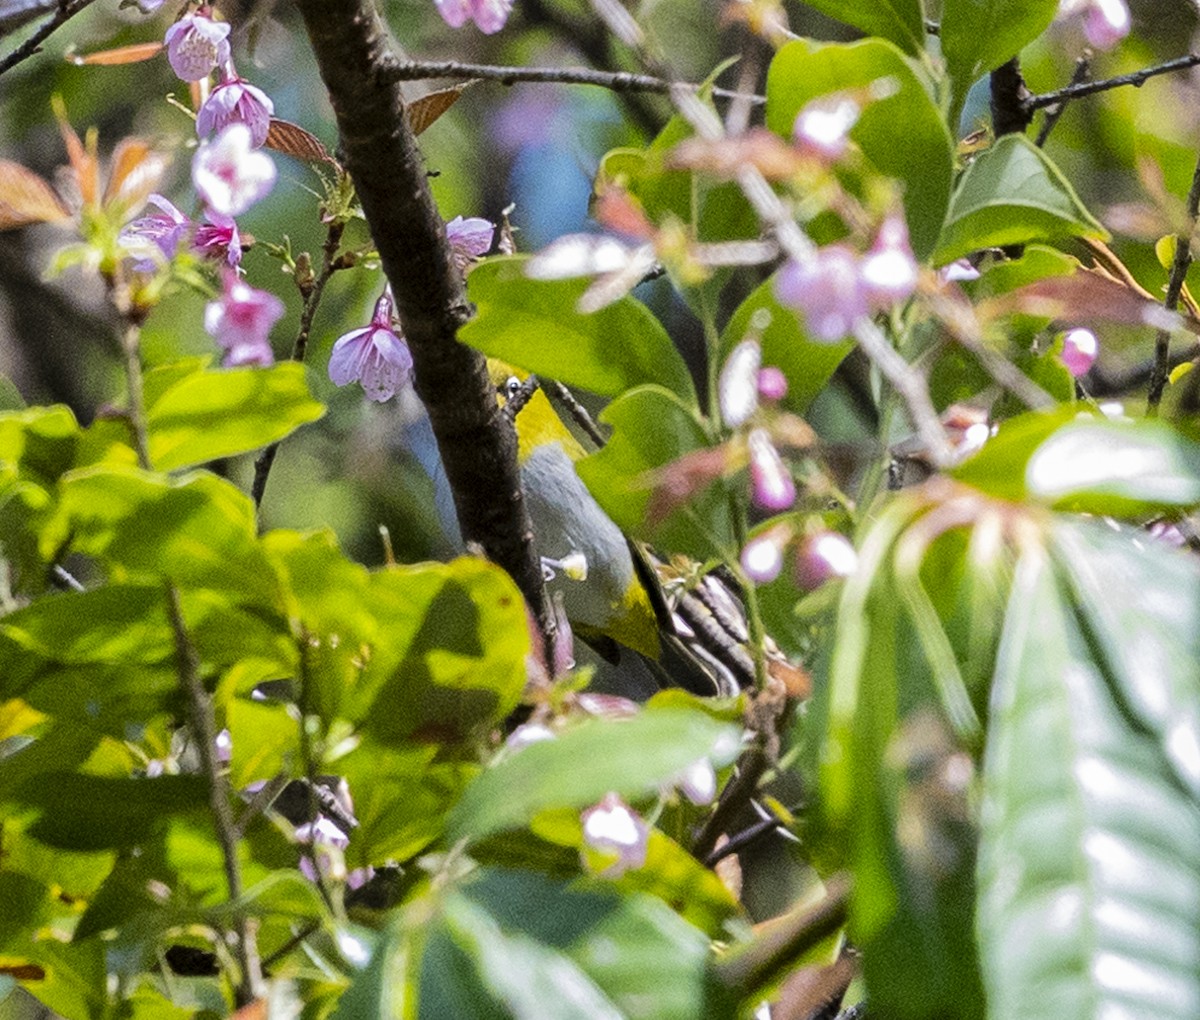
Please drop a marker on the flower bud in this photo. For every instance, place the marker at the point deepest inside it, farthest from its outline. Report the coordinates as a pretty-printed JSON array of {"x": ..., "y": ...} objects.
[
  {"x": 611, "y": 828},
  {"x": 1079, "y": 351},
  {"x": 771, "y": 482},
  {"x": 737, "y": 385},
  {"x": 823, "y": 557}
]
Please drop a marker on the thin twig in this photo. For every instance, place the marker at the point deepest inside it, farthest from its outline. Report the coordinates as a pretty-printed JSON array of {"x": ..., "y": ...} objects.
[
  {"x": 519, "y": 397},
  {"x": 67, "y": 9},
  {"x": 203, "y": 729},
  {"x": 1179, "y": 268},
  {"x": 1083, "y": 67},
  {"x": 615, "y": 81},
  {"x": 578, "y": 413},
  {"x": 1090, "y": 88},
  {"x": 312, "y": 298},
  {"x": 734, "y": 797}
]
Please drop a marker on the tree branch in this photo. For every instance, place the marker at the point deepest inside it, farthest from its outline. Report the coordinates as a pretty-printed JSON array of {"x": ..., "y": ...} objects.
[
  {"x": 1175, "y": 281},
  {"x": 477, "y": 448},
  {"x": 1089, "y": 88},
  {"x": 67, "y": 9},
  {"x": 615, "y": 81},
  {"x": 1083, "y": 67}
]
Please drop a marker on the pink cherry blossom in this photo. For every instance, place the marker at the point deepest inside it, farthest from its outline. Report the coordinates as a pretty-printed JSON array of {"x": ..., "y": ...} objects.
[
  {"x": 230, "y": 175},
  {"x": 1079, "y": 351},
  {"x": 219, "y": 239},
  {"x": 236, "y": 101},
  {"x": 374, "y": 356},
  {"x": 157, "y": 233},
  {"x": 771, "y": 484},
  {"x": 613, "y": 827},
  {"x": 762, "y": 556},
  {"x": 489, "y": 15},
  {"x": 196, "y": 45},
  {"x": 469, "y": 239},
  {"x": 828, "y": 289},
  {"x": 241, "y": 321}
]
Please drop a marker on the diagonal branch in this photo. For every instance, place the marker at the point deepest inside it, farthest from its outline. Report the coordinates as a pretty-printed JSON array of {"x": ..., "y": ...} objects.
[
  {"x": 67, "y": 9},
  {"x": 1089, "y": 88},
  {"x": 382, "y": 158}
]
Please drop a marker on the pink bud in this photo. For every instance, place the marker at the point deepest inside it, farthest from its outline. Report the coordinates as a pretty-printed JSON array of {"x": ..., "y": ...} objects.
[
  {"x": 823, "y": 557},
  {"x": 771, "y": 482},
  {"x": 762, "y": 557},
  {"x": 737, "y": 385},
  {"x": 489, "y": 15},
  {"x": 958, "y": 271},
  {"x": 698, "y": 782},
  {"x": 889, "y": 270},
  {"x": 241, "y": 322},
  {"x": 1079, "y": 351},
  {"x": 1106, "y": 23},
  {"x": 772, "y": 384},
  {"x": 612, "y": 827}
]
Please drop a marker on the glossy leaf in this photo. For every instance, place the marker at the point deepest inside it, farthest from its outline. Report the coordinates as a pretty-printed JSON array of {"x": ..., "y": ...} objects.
[
  {"x": 220, "y": 412},
  {"x": 904, "y": 135},
  {"x": 631, "y": 757},
  {"x": 534, "y": 325},
  {"x": 1149, "y": 638},
  {"x": 979, "y": 35},
  {"x": 999, "y": 469},
  {"x": 625, "y": 473},
  {"x": 808, "y": 365},
  {"x": 901, "y": 21},
  {"x": 1101, "y": 466},
  {"x": 1012, "y": 194},
  {"x": 1089, "y": 873}
]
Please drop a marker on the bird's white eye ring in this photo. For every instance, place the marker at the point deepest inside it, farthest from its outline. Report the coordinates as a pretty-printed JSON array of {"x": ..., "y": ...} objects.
[{"x": 512, "y": 386}]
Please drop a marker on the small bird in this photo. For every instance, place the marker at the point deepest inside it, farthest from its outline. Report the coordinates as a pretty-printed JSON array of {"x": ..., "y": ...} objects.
[{"x": 586, "y": 557}]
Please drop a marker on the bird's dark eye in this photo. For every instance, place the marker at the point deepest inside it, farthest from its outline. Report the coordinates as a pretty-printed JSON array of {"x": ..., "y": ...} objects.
[{"x": 512, "y": 386}]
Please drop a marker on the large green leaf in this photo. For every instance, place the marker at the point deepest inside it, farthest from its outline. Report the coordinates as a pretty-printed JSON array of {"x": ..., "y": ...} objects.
[
  {"x": 631, "y": 757},
  {"x": 534, "y": 325},
  {"x": 1089, "y": 866},
  {"x": 1148, "y": 635},
  {"x": 904, "y": 135},
  {"x": 901, "y": 21},
  {"x": 808, "y": 365},
  {"x": 86, "y": 812},
  {"x": 219, "y": 412},
  {"x": 1113, "y": 467},
  {"x": 622, "y": 476},
  {"x": 1012, "y": 194},
  {"x": 979, "y": 35},
  {"x": 539, "y": 948}
]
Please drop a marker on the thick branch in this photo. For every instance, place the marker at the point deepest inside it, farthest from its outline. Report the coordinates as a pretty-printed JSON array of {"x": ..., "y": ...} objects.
[{"x": 477, "y": 448}]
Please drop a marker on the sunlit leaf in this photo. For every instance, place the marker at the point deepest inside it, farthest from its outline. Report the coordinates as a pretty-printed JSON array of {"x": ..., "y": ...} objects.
[
  {"x": 292, "y": 140},
  {"x": 901, "y": 21},
  {"x": 27, "y": 198}
]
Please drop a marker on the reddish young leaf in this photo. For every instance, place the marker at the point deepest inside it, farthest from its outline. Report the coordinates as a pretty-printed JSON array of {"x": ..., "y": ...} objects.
[
  {"x": 26, "y": 198},
  {"x": 135, "y": 171},
  {"x": 121, "y": 55},
  {"x": 424, "y": 111},
  {"x": 82, "y": 157},
  {"x": 292, "y": 140}
]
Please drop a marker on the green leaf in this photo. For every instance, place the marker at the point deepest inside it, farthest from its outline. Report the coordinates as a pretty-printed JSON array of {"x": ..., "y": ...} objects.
[
  {"x": 808, "y": 365},
  {"x": 1089, "y": 870},
  {"x": 1150, "y": 639},
  {"x": 901, "y": 21},
  {"x": 904, "y": 135},
  {"x": 1012, "y": 194},
  {"x": 999, "y": 468},
  {"x": 197, "y": 531},
  {"x": 542, "y": 948},
  {"x": 621, "y": 475},
  {"x": 10, "y": 396},
  {"x": 220, "y": 412},
  {"x": 631, "y": 757},
  {"x": 86, "y": 812},
  {"x": 1112, "y": 467},
  {"x": 979, "y": 35},
  {"x": 533, "y": 324}
]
